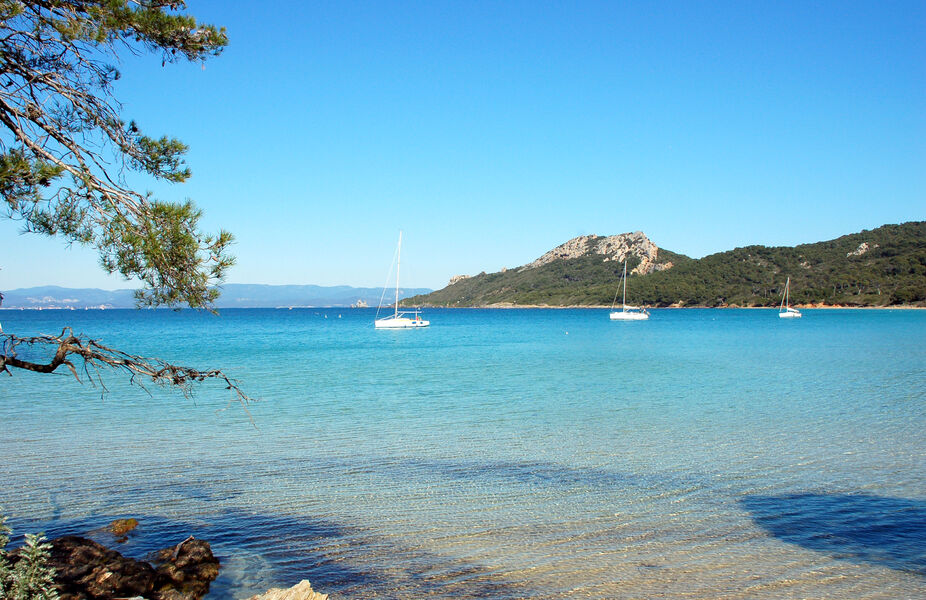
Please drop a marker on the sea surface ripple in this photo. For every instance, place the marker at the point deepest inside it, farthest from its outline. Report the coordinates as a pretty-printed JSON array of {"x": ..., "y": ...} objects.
[{"x": 497, "y": 454}]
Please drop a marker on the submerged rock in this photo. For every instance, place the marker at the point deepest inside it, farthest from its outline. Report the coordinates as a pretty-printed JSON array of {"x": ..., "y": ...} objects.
[
  {"x": 121, "y": 527},
  {"x": 301, "y": 591}
]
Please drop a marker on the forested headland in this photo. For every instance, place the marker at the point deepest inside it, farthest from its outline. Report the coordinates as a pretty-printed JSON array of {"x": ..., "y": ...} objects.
[{"x": 879, "y": 267}]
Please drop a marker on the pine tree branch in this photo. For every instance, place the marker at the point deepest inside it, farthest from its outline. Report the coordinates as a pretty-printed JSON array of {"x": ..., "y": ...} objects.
[{"x": 95, "y": 356}]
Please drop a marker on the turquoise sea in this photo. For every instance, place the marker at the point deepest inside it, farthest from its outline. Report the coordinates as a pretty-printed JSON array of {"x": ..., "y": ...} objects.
[{"x": 497, "y": 454}]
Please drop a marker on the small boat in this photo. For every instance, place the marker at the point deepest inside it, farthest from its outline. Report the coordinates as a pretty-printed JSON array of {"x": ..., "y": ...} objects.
[
  {"x": 399, "y": 320},
  {"x": 785, "y": 311},
  {"x": 627, "y": 313}
]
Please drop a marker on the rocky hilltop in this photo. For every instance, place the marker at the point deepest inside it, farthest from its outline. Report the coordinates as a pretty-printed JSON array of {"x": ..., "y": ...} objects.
[{"x": 612, "y": 248}]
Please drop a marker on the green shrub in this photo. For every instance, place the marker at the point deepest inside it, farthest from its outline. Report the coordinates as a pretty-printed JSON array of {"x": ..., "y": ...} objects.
[{"x": 31, "y": 578}]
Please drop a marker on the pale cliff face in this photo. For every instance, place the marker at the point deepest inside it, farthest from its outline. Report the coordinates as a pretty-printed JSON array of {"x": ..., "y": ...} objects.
[{"x": 614, "y": 247}]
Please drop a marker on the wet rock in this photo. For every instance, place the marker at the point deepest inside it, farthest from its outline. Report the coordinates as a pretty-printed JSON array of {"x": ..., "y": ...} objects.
[
  {"x": 186, "y": 570},
  {"x": 120, "y": 527},
  {"x": 300, "y": 591},
  {"x": 85, "y": 569}
]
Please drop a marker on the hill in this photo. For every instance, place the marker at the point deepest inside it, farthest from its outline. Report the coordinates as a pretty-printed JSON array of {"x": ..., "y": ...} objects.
[
  {"x": 881, "y": 267},
  {"x": 583, "y": 270}
]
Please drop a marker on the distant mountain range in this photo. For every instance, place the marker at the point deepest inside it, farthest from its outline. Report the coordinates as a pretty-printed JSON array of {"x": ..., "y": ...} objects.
[
  {"x": 882, "y": 267},
  {"x": 234, "y": 295}
]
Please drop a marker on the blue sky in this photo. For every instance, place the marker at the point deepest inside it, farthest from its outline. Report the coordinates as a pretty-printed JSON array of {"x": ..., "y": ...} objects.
[{"x": 491, "y": 132}]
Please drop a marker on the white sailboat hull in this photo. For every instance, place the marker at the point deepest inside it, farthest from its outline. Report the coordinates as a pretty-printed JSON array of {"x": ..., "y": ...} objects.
[
  {"x": 629, "y": 316},
  {"x": 400, "y": 323},
  {"x": 791, "y": 313}
]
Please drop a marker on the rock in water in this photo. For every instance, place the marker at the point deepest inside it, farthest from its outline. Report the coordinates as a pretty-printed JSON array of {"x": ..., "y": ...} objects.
[
  {"x": 86, "y": 569},
  {"x": 121, "y": 527},
  {"x": 185, "y": 571},
  {"x": 300, "y": 591}
]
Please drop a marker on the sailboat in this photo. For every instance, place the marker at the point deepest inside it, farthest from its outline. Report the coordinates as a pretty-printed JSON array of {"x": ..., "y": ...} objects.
[
  {"x": 399, "y": 320},
  {"x": 785, "y": 311},
  {"x": 627, "y": 313}
]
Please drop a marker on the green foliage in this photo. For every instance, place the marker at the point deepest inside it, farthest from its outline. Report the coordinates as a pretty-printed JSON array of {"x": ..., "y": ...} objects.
[
  {"x": 166, "y": 249},
  {"x": 162, "y": 158},
  {"x": 892, "y": 270},
  {"x": 31, "y": 578},
  {"x": 22, "y": 179},
  {"x": 61, "y": 132},
  {"x": 6, "y": 573}
]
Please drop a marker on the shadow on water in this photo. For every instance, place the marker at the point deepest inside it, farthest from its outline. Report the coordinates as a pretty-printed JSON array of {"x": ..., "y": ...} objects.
[
  {"x": 259, "y": 551},
  {"x": 539, "y": 474},
  {"x": 885, "y": 531}
]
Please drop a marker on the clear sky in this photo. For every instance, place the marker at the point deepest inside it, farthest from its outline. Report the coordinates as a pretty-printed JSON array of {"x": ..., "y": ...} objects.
[{"x": 490, "y": 132}]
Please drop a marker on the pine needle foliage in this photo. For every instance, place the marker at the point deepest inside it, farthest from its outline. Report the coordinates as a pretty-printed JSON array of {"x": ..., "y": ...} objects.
[{"x": 65, "y": 149}]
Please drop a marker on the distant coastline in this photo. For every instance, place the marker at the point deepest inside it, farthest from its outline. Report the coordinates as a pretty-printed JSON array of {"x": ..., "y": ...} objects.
[
  {"x": 234, "y": 295},
  {"x": 487, "y": 307}
]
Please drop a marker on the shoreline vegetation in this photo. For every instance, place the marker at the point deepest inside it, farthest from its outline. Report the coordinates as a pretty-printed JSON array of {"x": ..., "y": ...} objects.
[{"x": 505, "y": 305}]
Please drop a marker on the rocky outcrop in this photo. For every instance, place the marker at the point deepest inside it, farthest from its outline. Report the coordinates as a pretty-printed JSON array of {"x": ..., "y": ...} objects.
[
  {"x": 663, "y": 266},
  {"x": 185, "y": 571},
  {"x": 457, "y": 278},
  {"x": 613, "y": 247},
  {"x": 862, "y": 249},
  {"x": 300, "y": 591},
  {"x": 574, "y": 248},
  {"x": 86, "y": 570}
]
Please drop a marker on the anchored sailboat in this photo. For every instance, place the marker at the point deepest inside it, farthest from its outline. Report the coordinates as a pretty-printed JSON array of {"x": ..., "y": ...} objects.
[
  {"x": 399, "y": 320},
  {"x": 627, "y": 313},
  {"x": 785, "y": 311}
]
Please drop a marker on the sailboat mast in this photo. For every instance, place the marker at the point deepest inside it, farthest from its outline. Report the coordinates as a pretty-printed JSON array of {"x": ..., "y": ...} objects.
[
  {"x": 398, "y": 266},
  {"x": 624, "y": 298},
  {"x": 784, "y": 297}
]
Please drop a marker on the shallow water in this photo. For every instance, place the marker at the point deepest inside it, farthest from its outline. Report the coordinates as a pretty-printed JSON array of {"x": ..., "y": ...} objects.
[{"x": 497, "y": 454}]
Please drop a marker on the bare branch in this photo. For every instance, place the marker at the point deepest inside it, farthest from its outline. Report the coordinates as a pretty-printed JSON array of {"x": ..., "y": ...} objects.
[{"x": 95, "y": 356}]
